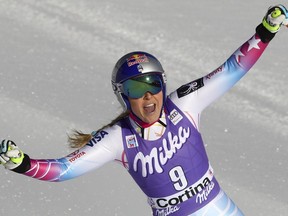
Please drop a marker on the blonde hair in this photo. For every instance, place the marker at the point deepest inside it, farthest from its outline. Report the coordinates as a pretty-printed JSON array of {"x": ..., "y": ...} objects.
[{"x": 78, "y": 139}]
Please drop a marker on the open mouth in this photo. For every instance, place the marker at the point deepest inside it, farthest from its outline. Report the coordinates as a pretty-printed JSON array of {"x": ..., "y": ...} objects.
[{"x": 150, "y": 108}]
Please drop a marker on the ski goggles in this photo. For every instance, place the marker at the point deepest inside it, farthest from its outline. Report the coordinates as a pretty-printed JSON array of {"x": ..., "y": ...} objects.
[{"x": 138, "y": 86}]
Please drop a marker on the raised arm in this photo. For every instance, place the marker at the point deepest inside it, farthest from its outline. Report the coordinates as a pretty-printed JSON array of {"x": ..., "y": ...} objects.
[
  {"x": 95, "y": 154},
  {"x": 210, "y": 87}
]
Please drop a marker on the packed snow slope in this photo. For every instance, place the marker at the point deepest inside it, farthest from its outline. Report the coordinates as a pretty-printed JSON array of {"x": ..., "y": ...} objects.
[{"x": 56, "y": 62}]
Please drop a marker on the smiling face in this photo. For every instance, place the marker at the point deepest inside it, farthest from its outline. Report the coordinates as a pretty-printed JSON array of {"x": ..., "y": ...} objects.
[{"x": 148, "y": 107}]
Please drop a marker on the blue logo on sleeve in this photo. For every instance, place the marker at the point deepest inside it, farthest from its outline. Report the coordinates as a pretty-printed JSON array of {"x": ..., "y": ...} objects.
[{"x": 97, "y": 138}]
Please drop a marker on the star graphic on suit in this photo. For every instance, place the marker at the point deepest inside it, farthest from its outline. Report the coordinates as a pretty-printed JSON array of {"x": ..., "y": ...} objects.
[
  {"x": 237, "y": 54},
  {"x": 253, "y": 43}
]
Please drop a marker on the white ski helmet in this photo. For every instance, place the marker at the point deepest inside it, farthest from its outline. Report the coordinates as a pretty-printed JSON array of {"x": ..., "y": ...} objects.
[{"x": 132, "y": 65}]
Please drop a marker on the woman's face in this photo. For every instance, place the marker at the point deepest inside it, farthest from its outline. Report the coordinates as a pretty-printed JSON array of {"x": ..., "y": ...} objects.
[{"x": 148, "y": 107}]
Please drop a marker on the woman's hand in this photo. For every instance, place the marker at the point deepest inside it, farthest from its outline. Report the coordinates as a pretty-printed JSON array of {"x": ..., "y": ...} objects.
[
  {"x": 10, "y": 155},
  {"x": 275, "y": 17}
]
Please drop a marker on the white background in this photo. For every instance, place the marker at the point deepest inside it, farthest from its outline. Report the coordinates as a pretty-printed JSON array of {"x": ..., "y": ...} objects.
[{"x": 56, "y": 58}]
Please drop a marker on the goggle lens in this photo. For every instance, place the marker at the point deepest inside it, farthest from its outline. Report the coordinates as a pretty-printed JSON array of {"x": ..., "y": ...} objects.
[{"x": 138, "y": 86}]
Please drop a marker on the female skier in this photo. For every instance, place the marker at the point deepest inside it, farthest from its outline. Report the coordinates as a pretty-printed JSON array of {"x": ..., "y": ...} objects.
[{"x": 157, "y": 137}]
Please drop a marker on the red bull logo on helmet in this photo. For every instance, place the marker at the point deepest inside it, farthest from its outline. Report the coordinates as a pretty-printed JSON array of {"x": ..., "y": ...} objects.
[{"x": 137, "y": 59}]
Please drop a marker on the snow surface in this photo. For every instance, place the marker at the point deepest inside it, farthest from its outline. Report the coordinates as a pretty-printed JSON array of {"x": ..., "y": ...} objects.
[{"x": 56, "y": 62}]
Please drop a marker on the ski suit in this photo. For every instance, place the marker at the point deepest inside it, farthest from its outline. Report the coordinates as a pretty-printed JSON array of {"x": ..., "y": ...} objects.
[{"x": 166, "y": 159}]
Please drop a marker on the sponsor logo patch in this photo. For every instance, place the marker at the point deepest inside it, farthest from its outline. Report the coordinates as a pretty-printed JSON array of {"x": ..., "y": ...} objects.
[
  {"x": 175, "y": 117},
  {"x": 131, "y": 141},
  {"x": 137, "y": 59},
  {"x": 76, "y": 155},
  {"x": 97, "y": 137},
  {"x": 218, "y": 70},
  {"x": 190, "y": 87}
]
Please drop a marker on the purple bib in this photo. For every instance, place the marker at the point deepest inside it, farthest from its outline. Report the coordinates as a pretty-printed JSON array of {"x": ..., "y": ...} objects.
[{"x": 173, "y": 171}]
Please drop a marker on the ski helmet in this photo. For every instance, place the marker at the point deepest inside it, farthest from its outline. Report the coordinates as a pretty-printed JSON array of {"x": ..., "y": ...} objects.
[{"x": 132, "y": 65}]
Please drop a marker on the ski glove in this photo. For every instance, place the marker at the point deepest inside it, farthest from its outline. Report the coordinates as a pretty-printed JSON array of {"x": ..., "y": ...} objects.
[
  {"x": 275, "y": 17},
  {"x": 10, "y": 155}
]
